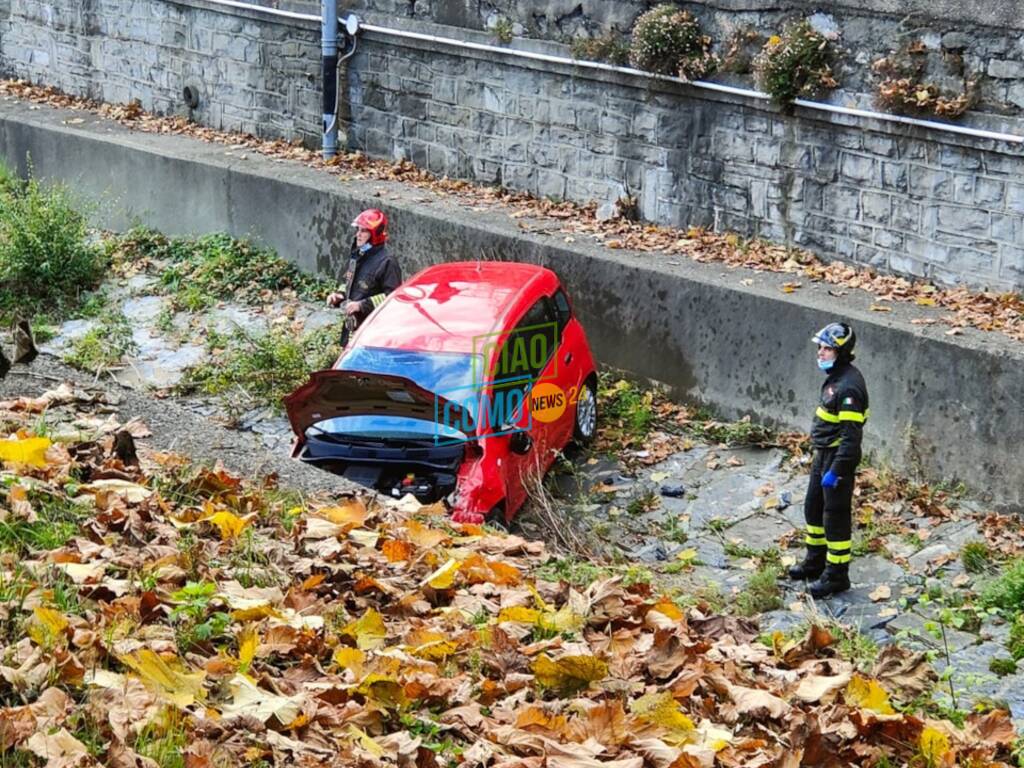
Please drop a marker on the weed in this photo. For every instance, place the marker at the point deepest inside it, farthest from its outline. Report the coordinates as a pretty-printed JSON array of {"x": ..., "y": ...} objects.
[
  {"x": 675, "y": 529},
  {"x": 1007, "y": 591},
  {"x": 795, "y": 64},
  {"x": 624, "y": 404},
  {"x": 195, "y": 625},
  {"x": 975, "y": 556},
  {"x": 198, "y": 272},
  {"x": 503, "y": 30},
  {"x": 164, "y": 741},
  {"x": 1015, "y": 643},
  {"x": 104, "y": 345},
  {"x": 670, "y": 41},
  {"x": 58, "y": 521},
  {"x": 611, "y": 48},
  {"x": 860, "y": 650},
  {"x": 735, "y": 433},
  {"x": 572, "y": 570},
  {"x": 165, "y": 320},
  {"x": 264, "y": 368},
  {"x": 762, "y": 593},
  {"x": 1002, "y": 667},
  {"x": 636, "y": 574},
  {"x": 646, "y": 501},
  {"x": 718, "y": 525},
  {"x": 708, "y": 597},
  {"x": 902, "y": 86},
  {"x": 46, "y": 259}
]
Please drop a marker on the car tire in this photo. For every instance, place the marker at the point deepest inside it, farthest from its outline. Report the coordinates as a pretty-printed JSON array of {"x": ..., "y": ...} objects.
[{"x": 586, "y": 414}]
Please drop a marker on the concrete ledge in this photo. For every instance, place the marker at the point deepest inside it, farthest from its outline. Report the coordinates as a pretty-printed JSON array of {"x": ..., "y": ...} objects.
[{"x": 946, "y": 407}]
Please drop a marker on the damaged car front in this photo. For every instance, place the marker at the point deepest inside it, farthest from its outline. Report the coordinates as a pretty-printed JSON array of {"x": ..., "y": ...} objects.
[{"x": 392, "y": 419}]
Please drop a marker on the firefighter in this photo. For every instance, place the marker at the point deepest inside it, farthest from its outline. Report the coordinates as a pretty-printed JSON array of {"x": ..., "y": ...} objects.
[
  {"x": 372, "y": 273},
  {"x": 836, "y": 438}
]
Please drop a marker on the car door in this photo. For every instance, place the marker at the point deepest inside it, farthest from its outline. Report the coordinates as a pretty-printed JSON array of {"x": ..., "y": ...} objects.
[{"x": 536, "y": 331}]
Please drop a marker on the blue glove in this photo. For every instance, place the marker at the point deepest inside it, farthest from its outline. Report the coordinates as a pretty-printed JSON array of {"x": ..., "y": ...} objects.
[{"x": 830, "y": 480}]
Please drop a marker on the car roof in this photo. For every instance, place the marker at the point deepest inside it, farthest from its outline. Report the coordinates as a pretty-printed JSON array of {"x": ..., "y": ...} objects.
[{"x": 445, "y": 307}]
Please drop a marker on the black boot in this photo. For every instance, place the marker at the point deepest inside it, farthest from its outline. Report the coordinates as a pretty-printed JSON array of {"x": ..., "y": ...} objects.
[
  {"x": 834, "y": 580},
  {"x": 812, "y": 566},
  {"x": 5, "y": 364}
]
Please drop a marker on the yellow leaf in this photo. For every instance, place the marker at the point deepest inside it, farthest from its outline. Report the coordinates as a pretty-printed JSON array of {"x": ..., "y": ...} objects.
[
  {"x": 368, "y": 631},
  {"x": 732, "y": 239},
  {"x": 383, "y": 690},
  {"x": 169, "y": 680},
  {"x": 774, "y": 40},
  {"x": 430, "y": 645},
  {"x": 352, "y": 514},
  {"x": 350, "y": 658},
  {"x": 248, "y": 639},
  {"x": 29, "y": 450},
  {"x": 256, "y": 612},
  {"x": 868, "y": 694},
  {"x": 46, "y": 626},
  {"x": 687, "y": 555},
  {"x": 230, "y": 524},
  {"x": 562, "y": 620},
  {"x": 519, "y": 614},
  {"x": 366, "y": 742},
  {"x": 443, "y": 577},
  {"x": 925, "y": 301},
  {"x": 668, "y": 608},
  {"x": 934, "y": 745},
  {"x": 568, "y": 674},
  {"x": 662, "y": 709}
]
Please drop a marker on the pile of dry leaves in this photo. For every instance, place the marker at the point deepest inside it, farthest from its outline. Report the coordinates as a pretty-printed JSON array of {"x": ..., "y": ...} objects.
[
  {"x": 984, "y": 310},
  {"x": 186, "y": 611}
]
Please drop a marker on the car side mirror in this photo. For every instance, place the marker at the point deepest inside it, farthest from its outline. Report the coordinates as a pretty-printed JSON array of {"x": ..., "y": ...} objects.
[{"x": 520, "y": 443}]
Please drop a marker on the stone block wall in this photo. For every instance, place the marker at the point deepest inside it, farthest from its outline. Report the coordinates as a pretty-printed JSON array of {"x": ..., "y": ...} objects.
[
  {"x": 252, "y": 76},
  {"x": 903, "y": 199},
  {"x": 897, "y": 198}
]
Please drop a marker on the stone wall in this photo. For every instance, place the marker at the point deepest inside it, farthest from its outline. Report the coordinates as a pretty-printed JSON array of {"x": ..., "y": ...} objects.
[
  {"x": 903, "y": 199},
  {"x": 897, "y": 198},
  {"x": 251, "y": 75}
]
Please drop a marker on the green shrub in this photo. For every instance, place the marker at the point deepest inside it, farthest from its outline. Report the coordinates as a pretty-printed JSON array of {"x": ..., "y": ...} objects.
[
  {"x": 198, "y": 272},
  {"x": 796, "y": 64},
  {"x": 669, "y": 41},
  {"x": 611, "y": 48},
  {"x": 975, "y": 556},
  {"x": 267, "y": 367},
  {"x": 762, "y": 592},
  {"x": 46, "y": 259},
  {"x": 1007, "y": 591},
  {"x": 104, "y": 345},
  {"x": 1016, "y": 642}
]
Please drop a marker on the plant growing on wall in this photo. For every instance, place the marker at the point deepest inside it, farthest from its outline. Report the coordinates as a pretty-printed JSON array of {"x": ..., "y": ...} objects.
[
  {"x": 612, "y": 48},
  {"x": 796, "y": 64},
  {"x": 902, "y": 86},
  {"x": 669, "y": 41},
  {"x": 740, "y": 50}
]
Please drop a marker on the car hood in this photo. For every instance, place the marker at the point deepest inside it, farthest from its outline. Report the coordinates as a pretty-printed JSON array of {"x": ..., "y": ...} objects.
[{"x": 334, "y": 393}]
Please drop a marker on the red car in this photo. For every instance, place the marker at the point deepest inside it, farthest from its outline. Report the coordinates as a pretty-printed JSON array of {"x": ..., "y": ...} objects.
[{"x": 462, "y": 387}]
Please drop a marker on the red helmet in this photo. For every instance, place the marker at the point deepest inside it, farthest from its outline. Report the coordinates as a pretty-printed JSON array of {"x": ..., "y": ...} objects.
[{"x": 376, "y": 222}]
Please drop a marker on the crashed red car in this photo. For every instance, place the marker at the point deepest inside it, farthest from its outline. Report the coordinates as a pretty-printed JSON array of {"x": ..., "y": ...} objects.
[{"x": 462, "y": 387}]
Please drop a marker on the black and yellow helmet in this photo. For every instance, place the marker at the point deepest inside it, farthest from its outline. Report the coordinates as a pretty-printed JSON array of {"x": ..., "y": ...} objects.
[{"x": 837, "y": 336}]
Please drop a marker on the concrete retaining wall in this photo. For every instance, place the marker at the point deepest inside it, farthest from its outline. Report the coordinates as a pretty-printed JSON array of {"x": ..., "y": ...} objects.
[{"x": 948, "y": 407}]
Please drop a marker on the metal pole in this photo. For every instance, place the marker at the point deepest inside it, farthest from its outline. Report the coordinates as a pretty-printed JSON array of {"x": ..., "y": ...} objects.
[{"x": 329, "y": 44}]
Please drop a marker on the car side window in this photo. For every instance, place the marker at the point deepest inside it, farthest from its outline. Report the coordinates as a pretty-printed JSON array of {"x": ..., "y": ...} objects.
[
  {"x": 562, "y": 309},
  {"x": 529, "y": 346}
]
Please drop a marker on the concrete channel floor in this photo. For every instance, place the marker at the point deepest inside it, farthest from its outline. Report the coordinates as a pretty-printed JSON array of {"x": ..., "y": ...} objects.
[{"x": 715, "y": 506}]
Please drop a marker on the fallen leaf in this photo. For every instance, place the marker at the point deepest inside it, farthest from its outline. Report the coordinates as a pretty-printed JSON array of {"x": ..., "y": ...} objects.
[
  {"x": 863, "y": 693},
  {"x": 568, "y": 674},
  {"x": 882, "y": 592},
  {"x": 29, "y": 451},
  {"x": 251, "y": 701},
  {"x": 59, "y": 750},
  {"x": 167, "y": 679},
  {"x": 368, "y": 631}
]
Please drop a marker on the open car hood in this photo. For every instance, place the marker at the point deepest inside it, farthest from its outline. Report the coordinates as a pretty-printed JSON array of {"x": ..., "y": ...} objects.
[{"x": 334, "y": 393}]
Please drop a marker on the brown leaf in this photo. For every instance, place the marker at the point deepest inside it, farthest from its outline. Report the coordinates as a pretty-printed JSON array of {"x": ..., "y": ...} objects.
[{"x": 903, "y": 673}]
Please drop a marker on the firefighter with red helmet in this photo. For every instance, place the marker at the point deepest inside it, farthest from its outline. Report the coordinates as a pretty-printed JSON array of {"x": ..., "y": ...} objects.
[
  {"x": 372, "y": 272},
  {"x": 836, "y": 434}
]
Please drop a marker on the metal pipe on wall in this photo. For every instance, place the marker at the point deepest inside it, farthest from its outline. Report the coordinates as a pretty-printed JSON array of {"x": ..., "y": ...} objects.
[{"x": 329, "y": 49}]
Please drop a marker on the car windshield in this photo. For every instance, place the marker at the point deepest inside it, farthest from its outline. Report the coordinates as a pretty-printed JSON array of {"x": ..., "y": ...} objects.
[{"x": 448, "y": 374}]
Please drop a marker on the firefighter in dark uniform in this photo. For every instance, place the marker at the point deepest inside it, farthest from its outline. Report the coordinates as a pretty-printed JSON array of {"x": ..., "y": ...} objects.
[
  {"x": 836, "y": 437},
  {"x": 372, "y": 273}
]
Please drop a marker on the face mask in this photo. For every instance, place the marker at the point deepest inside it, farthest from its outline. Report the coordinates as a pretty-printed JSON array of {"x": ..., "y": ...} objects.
[
  {"x": 365, "y": 247},
  {"x": 826, "y": 365}
]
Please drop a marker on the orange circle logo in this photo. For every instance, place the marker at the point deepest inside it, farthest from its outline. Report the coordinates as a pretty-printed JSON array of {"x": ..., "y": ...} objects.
[{"x": 547, "y": 402}]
